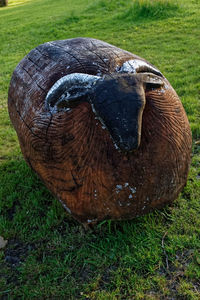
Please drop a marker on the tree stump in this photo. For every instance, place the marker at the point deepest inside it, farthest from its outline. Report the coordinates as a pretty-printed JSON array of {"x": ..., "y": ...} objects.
[
  {"x": 102, "y": 127},
  {"x": 3, "y": 3}
]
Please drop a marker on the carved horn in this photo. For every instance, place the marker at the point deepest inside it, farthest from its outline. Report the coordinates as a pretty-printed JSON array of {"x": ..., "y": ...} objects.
[{"x": 68, "y": 90}]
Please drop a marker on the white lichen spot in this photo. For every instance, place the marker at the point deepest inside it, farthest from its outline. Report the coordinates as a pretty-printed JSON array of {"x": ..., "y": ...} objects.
[
  {"x": 99, "y": 73},
  {"x": 115, "y": 145},
  {"x": 162, "y": 91},
  {"x": 65, "y": 206},
  {"x": 133, "y": 190},
  {"x": 91, "y": 221},
  {"x": 130, "y": 196},
  {"x": 97, "y": 117},
  {"x": 119, "y": 186}
]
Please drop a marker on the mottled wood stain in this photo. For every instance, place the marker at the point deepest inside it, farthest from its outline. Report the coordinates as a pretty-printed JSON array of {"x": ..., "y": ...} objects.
[{"x": 76, "y": 158}]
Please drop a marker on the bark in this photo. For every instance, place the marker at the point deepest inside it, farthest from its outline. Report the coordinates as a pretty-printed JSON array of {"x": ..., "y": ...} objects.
[{"x": 3, "y": 3}]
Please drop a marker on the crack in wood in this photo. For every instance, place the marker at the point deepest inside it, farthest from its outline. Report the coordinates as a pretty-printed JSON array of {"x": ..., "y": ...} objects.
[
  {"x": 82, "y": 66},
  {"x": 48, "y": 126},
  {"x": 43, "y": 90},
  {"x": 28, "y": 126},
  {"x": 75, "y": 181}
]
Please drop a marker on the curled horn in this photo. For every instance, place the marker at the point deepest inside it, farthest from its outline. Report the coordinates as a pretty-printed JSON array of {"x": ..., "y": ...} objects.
[
  {"x": 139, "y": 66},
  {"x": 68, "y": 90}
]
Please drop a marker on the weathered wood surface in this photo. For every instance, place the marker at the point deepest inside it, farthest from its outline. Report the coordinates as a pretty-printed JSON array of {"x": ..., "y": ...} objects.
[{"x": 77, "y": 158}]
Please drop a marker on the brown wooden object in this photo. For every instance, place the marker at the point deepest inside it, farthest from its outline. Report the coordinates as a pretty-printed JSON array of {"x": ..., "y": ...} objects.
[
  {"x": 102, "y": 128},
  {"x": 3, "y": 3}
]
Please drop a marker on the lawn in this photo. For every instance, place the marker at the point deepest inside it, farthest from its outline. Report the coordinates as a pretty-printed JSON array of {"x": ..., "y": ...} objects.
[{"x": 48, "y": 254}]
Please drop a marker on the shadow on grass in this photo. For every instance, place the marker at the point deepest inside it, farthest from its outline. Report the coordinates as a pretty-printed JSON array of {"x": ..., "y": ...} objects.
[
  {"x": 50, "y": 256},
  {"x": 42, "y": 240}
]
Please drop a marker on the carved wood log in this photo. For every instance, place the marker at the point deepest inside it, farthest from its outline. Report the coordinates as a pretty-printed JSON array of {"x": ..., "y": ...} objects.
[{"x": 102, "y": 127}]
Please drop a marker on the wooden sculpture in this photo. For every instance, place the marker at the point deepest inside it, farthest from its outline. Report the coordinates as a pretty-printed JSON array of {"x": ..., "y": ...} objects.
[{"x": 102, "y": 127}]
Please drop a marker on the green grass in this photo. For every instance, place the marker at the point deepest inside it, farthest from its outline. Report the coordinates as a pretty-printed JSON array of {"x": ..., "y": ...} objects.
[
  {"x": 141, "y": 10},
  {"x": 48, "y": 255}
]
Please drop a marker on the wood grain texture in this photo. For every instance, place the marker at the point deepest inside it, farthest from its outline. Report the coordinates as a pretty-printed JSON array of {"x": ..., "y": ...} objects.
[{"x": 76, "y": 158}]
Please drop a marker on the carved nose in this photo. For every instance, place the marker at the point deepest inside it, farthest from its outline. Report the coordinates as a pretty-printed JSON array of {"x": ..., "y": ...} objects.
[
  {"x": 128, "y": 144},
  {"x": 126, "y": 141},
  {"x": 119, "y": 102}
]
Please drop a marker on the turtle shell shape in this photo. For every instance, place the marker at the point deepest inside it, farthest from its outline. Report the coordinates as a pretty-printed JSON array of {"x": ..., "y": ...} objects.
[{"x": 102, "y": 127}]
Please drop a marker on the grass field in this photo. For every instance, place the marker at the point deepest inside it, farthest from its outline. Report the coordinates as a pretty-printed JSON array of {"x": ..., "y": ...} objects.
[{"x": 49, "y": 255}]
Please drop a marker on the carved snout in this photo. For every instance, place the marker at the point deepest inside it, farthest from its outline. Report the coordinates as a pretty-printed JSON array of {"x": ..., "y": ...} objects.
[{"x": 117, "y": 100}]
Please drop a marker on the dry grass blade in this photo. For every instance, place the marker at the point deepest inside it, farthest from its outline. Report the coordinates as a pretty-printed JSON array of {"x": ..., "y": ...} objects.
[{"x": 3, "y": 242}]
